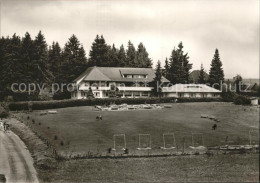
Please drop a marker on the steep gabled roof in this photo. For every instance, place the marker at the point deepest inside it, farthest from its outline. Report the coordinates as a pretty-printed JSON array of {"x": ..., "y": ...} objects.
[
  {"x": 116, "y": 74},
  {"x": 96, "y": 75},
  {"x": 195, "y": 74}
]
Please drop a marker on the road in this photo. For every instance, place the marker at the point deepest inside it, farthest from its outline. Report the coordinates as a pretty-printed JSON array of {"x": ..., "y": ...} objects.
[{"x": 16, "y": 162}]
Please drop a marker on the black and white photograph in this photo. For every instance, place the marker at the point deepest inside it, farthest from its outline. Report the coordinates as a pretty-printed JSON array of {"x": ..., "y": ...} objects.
[{"x": 133, "y": 91}]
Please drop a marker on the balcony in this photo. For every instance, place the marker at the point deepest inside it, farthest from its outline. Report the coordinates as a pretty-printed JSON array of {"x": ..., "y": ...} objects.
[
  {"x": 134, "y": 88},
  {"x": 120, "y": 88},
  {"x": 94, "y": 88}
]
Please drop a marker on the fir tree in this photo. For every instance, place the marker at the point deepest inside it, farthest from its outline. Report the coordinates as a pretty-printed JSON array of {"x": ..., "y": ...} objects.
[
  {"x": 113, "y": 57},
  {"x": 122, "y": 56},
  {"x": 166, "y": 68},
  {"x": 142, "y": 57},
  {"x": 157, "y": 80},
  {"x": 186, "y": 66},
  {"x": 99, "y": 53},
  {"x": 74, "y": 60},
  {"x": 202, "y": 79},
  {"x": 27, "y": 59},
  {"x": 179, "y": 66},
  {"x": 40, "y": 61},
  {"x": 216, "y": 73},
  {"x": 55, "y": 60},
  {"x": 238, "y": 83},
  {"x": 12, "y": 63},
  {"x": 130, "y": 55},
  {"x": 90, "y": 93}
]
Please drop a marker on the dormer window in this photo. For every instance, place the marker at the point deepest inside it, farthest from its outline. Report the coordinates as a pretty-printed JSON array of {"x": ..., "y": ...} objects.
[
  {"x": 129, "y": 76},
  {"x": 193, "y": 87},
  {"x": 135, "y": 76}
]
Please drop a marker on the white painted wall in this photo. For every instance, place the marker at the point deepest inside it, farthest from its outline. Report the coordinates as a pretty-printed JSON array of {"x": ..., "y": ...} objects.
[{"x": 254, "y": 102}]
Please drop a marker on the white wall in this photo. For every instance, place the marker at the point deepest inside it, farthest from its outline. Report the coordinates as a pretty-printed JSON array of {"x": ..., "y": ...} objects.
[
  {"x": 191, "y": 95},
  {"x": 170, "y": 94},
  {"x": 254, "y": 102}
]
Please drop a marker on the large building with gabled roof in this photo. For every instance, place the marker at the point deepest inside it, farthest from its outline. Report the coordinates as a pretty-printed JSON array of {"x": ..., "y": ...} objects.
[
  {"x": 131, "y": 82},
  {"x": 127, "y": 82}
]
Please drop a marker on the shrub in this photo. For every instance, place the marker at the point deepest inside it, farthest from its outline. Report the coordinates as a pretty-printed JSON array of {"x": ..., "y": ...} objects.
[
  {"x": 197, "y": 153},
  {"x": 61, "y": 95},
  {"x": 242, "y": 151},
  {"x": 109, "y": 150},
  {"x": 9, "y": 98},
  {"x": 55, "y": 137},
  {"x": 61, "y": 143},
  {"x": 228, "y": 96},
  {"x": 126, "y": 151},
  {"x": 3, "y": 112},
  {"x": 242, "y": 100}
]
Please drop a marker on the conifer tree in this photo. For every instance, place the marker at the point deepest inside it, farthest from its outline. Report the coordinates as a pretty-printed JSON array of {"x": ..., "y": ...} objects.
[
  {"x": 99, "y": 53},
  {"x": 202, "y": 79},
  {"x": 142, "y": 57},
  {"x": 11, "y": 67},
  {"x": 27, "y": 59},
  {"x": 166, "y": 68},
  {"x": 238, "y": 83},
  {"x": 157, "y": 80},
  {"x": 216, "y": 73},
  {"x": 130, "y": 55},
  {"x": 121, "y": 56},
  {"x": 74, "y": 60},
  {"x": 90, "y": 93},
  {"x": 179, "y": 66},
  {"x": 55, "y": 61},
  {"x": 40, "y": 61},
  {"x": 2, "y": 54},
  {"x": 113, "y": 57}
]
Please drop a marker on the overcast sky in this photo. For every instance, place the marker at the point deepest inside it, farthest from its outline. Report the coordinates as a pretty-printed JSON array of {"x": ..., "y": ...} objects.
[{"x": 202, "y": 26}]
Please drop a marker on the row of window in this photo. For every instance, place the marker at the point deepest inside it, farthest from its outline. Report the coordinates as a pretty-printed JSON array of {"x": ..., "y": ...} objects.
[
  {"x": 135, "y": 76},
  {"x": 127, "y": 94},
  {"x": 195, "y": 95},
  {"x": 144, "y": 94},
  {"x": 118, "y": 85}
]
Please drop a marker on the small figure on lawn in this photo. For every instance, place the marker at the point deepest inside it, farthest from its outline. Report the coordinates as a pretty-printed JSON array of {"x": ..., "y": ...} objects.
[
  {"x": 99, "y": 117},
  {"x": 214, "y": 127}
]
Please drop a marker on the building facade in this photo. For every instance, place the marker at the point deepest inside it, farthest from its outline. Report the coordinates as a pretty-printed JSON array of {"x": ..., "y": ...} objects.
[
  {"x": 105, "y": 82},
  {"x": 191, "y": 91}
]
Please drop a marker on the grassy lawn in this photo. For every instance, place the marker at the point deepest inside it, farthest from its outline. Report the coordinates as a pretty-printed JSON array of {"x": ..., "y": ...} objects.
[
  {"x": 80, "y": 132},
  {"x": 219, "y": 168}
]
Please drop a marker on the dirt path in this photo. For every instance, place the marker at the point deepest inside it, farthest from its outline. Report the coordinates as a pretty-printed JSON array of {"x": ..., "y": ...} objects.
[{"x": 16, "y": 162}]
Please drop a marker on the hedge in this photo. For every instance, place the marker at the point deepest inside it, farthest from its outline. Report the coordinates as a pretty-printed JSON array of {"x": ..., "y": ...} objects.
[
  {"x": 53, "y": 104},
  {"x": 242, "y": 100},
  {"x": 3, "y": 112},
  {"x": 228, "y": 96}
]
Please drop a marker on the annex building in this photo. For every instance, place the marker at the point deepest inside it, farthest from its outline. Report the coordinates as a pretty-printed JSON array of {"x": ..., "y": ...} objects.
[{"x": 132, "y": 83}]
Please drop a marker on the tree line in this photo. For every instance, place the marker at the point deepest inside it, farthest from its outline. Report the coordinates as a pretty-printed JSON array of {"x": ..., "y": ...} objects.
[
  {"x": 32, "y": 60},
  {"x": 177, "y": 69},
  {"x": 28, "y": 60}
]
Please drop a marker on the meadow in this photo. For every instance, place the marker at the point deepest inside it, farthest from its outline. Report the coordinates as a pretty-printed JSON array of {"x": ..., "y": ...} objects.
[
  {"x": 219, "y": 168},
  {"x": 76, "y": 129}
]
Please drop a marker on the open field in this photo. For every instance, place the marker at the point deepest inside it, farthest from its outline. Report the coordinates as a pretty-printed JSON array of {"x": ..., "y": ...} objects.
[
  {"x": 79, "y": 130},
  {"x": 219, "y": 168}
]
